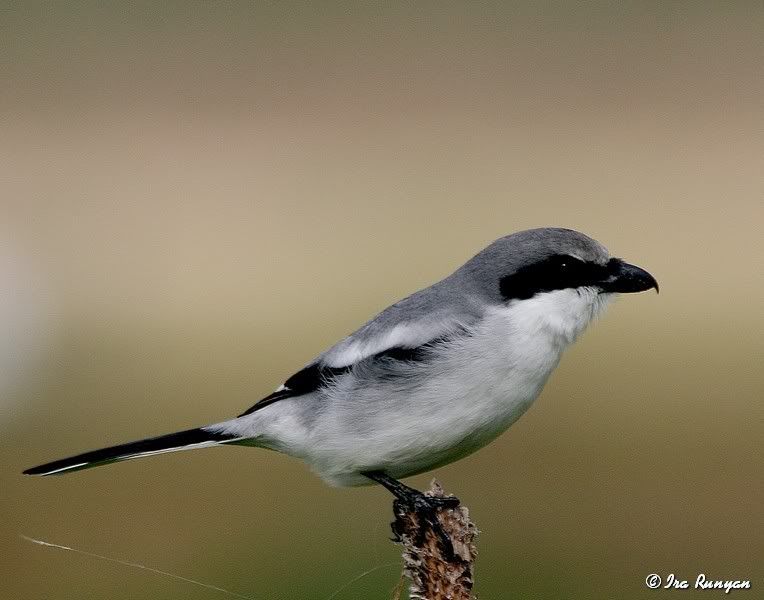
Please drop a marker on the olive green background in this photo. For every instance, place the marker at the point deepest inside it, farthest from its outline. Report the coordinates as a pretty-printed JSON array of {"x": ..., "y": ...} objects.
[{"x": 197, "y": 198}]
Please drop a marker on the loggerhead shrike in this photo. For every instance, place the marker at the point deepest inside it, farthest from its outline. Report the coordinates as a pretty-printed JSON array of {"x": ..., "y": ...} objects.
[{"x": 430, "y": 379}]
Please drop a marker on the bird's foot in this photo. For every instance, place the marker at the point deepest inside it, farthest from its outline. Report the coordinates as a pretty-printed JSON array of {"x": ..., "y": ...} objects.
[
  {"x": 426, "y": 509},
  {"x": 424, "y": 506}
]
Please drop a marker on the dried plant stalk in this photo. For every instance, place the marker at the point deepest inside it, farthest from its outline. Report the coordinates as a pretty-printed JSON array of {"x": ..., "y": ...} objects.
[{"x": 434, "y": 572}]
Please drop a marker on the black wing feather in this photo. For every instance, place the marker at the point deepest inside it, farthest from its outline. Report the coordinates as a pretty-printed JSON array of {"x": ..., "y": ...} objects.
[{"x": 316, "y": 375}]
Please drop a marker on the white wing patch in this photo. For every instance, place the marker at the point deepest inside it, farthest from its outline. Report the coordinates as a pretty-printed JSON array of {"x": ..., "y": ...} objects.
[{"x": 404, "y": 335}]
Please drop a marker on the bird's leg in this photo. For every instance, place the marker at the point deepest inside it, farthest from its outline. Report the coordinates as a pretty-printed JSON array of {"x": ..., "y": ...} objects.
[{"x": 426, "y": 507}]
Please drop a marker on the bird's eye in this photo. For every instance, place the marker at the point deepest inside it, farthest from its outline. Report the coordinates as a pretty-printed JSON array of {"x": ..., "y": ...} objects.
[{"x": 563, "y": 265}]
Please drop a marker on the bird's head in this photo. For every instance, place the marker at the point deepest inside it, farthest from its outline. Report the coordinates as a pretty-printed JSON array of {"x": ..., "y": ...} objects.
[
  {"x": 556, "y": 274},
  {"x": 536, "y": 261}
]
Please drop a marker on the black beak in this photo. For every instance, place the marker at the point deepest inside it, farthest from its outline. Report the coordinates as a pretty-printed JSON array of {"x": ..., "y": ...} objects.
[{"x": 624, "y": 278}]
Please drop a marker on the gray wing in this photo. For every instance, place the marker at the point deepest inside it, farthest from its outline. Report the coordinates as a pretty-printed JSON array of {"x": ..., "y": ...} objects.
[
  {"x": 425, "y": 316},
  {"x": 399, "y": 332}
]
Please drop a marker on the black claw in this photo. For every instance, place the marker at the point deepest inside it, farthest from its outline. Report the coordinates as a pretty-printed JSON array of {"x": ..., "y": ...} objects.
[
  {"x": 430, "y": 516},
  {"x": 445, "y": 503}
]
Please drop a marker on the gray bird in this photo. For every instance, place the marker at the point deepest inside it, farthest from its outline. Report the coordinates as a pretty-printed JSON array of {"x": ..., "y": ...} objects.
[{"x": 430, "y": 379}]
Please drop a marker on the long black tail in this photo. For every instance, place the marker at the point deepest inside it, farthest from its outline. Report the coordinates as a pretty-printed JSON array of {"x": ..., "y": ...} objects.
[{"x": 182, "y": 440}]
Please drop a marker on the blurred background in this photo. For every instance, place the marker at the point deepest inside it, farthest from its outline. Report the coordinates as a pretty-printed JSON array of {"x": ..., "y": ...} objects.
[{"x": 197, "y": 198}]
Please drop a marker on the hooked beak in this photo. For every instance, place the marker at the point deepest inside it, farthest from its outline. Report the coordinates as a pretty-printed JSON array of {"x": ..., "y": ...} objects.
[{"x": 624, "y": 278}]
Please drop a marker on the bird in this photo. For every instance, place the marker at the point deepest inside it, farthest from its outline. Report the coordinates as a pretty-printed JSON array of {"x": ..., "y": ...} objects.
[{"x": 430, "y": 379}]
